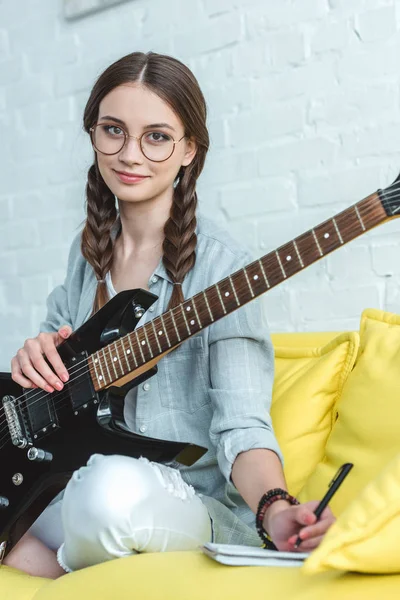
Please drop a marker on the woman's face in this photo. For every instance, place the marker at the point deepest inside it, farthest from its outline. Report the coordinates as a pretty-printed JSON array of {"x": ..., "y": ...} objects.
[{"x": 138, "y": 110}]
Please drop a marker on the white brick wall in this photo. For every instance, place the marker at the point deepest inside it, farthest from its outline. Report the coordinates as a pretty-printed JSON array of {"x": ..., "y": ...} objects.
[{"x": 304, "y": 118}]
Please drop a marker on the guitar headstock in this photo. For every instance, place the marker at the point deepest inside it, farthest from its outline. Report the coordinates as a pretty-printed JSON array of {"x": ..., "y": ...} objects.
[{"x": 390, "y": 198}]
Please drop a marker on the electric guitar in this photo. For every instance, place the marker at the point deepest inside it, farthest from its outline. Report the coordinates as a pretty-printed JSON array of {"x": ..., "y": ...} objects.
[{"x": 44, "y": 436}]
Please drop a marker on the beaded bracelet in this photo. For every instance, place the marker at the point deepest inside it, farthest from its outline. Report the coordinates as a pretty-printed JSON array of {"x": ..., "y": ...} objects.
[{"x": 266, "y": 500}]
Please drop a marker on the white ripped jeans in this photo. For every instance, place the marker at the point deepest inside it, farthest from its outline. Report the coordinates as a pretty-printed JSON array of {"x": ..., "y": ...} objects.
[{"x": 117, "y": 506}]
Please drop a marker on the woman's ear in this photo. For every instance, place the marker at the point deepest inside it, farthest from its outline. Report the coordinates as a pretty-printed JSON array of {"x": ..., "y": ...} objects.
[{"x": 190, "y": 153}]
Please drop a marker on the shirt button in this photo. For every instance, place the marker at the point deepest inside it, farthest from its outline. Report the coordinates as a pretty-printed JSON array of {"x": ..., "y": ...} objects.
[
  {"x": 151, "y": 309},
  {"x": 146, "y": 387},
  {"x": 142, "y": 428},
  {"x": 154, "y": 279}
]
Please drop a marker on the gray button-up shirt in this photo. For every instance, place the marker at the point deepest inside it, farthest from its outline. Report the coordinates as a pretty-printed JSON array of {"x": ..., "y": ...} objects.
[{"x": 214, "y": 390}]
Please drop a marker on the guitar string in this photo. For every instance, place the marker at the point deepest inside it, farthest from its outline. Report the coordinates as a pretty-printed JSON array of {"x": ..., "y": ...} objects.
[{"x": 59, "y": 399}]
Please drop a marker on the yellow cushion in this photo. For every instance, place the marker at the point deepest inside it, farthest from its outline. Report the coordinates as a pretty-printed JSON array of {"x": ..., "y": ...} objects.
[
  {"x": 367, "y": 431},
  {"x": 193, "y": 576},
  {"x": 365, "y": 538},
  {"x": 308, "y": 382}
]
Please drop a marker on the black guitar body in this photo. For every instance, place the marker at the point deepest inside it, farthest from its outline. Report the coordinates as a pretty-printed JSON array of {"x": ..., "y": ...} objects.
[{"x": 45, "y": 437}]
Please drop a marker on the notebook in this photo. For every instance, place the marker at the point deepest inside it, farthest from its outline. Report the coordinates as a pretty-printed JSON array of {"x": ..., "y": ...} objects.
[{"x": 228, "y": 554}]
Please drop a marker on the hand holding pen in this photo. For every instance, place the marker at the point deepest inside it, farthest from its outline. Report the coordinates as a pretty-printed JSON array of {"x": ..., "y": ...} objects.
[{"x": 332, "y": 488}]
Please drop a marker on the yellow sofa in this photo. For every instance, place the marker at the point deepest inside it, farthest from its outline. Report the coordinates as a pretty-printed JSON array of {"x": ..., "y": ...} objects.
[{"x": 317, "y": 375}]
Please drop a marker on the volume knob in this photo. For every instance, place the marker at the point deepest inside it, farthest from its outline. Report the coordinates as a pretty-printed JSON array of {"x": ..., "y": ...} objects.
[{"x": 4, "y": 502}]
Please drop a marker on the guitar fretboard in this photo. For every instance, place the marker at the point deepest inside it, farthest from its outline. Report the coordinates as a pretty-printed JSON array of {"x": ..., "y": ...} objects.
[{"x": 119, "y": 358}]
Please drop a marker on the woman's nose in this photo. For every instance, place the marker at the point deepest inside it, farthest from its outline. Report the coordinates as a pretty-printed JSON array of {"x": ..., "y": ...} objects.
[{"x": 131, "y": 152}]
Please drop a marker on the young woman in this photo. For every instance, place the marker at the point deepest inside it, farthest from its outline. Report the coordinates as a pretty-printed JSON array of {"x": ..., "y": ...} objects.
[{"x": 146, "y": 117}]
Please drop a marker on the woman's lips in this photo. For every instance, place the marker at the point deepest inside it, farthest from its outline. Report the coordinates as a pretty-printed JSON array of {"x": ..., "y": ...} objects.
[{"x": 126, "y": 178}]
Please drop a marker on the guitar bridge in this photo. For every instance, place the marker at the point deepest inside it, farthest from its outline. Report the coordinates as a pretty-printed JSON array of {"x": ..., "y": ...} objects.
[{"x": 16, "y": 429}]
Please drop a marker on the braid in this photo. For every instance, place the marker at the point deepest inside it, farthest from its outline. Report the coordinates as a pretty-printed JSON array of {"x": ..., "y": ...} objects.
[
  {"x": 97, "y": 244},
  {"x": 180, "y": 238}
]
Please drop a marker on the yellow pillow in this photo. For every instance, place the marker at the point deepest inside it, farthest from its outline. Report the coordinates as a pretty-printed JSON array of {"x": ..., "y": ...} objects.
[
  {"x": 367, "y": 431},
  {"x": 365, "y": 538},
  {"x": 308, "y": 382}
]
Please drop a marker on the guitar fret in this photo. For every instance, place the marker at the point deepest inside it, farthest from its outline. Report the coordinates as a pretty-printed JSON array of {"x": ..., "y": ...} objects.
[
  {"x": 139, "y": 346},
  {"x": 95, "y": 362},
  {"x": 248, "y": 283},
  {"x": 176, "y": 329},
  {"x": 359, "y": 217},
  {"x": 118, "y": 357},
  {"x": 195, "y": 310},
  {"x": 156, "y": 336},
  {"x": 112, "y": 361},
  {"x": 220, "y": 298},
  {"x": 132, "y": 350},
  {"x": 147, "y": 340},
  {"x": 165, "y": 331},
  {"x": 317, "y": 242},
  {"x": 208, "y": 306},
  {"x": 184, "y": 318},
  {"x": 234, "y": 291},
  {"x": 264, "y": 275},
  {"x": 121, "y": 340},
  {"x": 280, "y": 264},
  {"x": 298, "y": 253},
  {"x": 105, "y": 360},
  {"x": 337, "y": 231}
]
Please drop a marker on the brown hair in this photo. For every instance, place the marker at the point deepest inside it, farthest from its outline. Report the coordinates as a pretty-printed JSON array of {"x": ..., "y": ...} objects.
[{"x": 175, "y": 84}]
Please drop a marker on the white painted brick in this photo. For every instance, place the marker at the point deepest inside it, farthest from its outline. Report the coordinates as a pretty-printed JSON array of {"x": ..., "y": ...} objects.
[
  {"x": 376, "y": 24},
  {"x": 382, "y": 138},
  {"x": 274, "y": 195},
  {"x": 316, "y": 78},
  {"x": 370, "y": 63},
  {"x": 295, "y": 155},
  {"x": 392, "y": 299},
  {"x": 350, "y": 265},
  {"x": 277, "y": 309},
  {"x": 4, "y": 45},
  {"x": 256, "y": 129},
  {"x": 286, "y": 49},
  {"x": 220, "y": 32},
  {"x": 330, "y": 36},
  {"x": 275, "y": 15},
  {"x": 357, "y": 107},
  {"x": 228, "y": 99},
  {"x": 250, "y": 59},
  {"x": 338, "y": 186},
  {"x": 10, "y": 70},
  {"x": 29, "y": 91},
  {"x": 324, "y": 305},
  {"x": 385, "y": 259}
]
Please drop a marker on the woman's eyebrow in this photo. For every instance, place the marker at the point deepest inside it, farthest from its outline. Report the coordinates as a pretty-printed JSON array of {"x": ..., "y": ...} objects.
[{"x": 121, "y": 122}]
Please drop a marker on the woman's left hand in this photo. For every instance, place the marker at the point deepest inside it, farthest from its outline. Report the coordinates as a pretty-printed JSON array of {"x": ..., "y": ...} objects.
[{"x": 285, "y": 525}]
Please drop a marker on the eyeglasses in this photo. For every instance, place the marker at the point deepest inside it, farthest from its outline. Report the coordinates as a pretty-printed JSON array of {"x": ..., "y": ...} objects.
[{"x": 110, "y": 139}]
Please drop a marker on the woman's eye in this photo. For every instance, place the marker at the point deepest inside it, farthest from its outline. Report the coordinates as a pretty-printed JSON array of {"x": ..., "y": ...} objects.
[
  {"x": 157, "y": 137},
  {"x": 113, "y": 130}
]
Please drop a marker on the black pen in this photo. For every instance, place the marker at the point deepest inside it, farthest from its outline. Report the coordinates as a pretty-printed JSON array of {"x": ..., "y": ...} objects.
[{"x": 332, "y": 488}]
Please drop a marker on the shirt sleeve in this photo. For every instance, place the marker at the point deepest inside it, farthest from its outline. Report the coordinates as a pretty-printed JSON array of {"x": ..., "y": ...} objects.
[
  {"x": 58, "y": 301},
  {"x": 241, "y": 373}
]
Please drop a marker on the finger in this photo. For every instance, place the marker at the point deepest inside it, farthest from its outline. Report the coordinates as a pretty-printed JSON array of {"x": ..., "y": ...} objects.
[
  {"x": 50, "y": 351},
  {"x": 310, "y": 544},
  {"x": 320, "y": 528},
  {"x": 18, "y": 376},
  {"x": 65, "y": 331},
  {"x": 34, "y": 367},
  {"x": 304, "y": 515}
]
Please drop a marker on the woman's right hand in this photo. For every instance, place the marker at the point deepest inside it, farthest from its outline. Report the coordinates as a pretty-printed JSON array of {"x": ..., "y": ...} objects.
[{"x": 29, "y": 368}]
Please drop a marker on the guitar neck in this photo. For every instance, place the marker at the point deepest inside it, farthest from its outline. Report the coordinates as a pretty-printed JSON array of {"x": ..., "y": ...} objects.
[{"x": 146, "y": 343}]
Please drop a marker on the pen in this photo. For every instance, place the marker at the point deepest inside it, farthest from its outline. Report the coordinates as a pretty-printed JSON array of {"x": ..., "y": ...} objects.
[{"x": 334, "y": 485}]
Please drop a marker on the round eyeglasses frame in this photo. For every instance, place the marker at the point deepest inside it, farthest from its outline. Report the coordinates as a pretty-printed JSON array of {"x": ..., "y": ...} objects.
[{"x": 135, "y": 137}]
